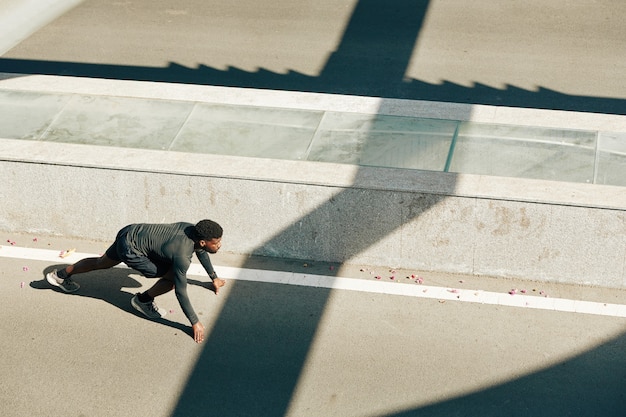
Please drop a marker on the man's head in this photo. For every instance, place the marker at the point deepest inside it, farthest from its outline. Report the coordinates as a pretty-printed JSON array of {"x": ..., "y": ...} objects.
[{"x": 209, "y": 235}]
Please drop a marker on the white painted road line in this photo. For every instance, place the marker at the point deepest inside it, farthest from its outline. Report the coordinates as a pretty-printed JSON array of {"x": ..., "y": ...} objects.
[{"x": 362, "y": 285}]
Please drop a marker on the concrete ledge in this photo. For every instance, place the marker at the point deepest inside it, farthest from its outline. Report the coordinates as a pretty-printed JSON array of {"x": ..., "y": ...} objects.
[
  {"x": 538, "y": 230},
  {"x": 315, "y": 173}
]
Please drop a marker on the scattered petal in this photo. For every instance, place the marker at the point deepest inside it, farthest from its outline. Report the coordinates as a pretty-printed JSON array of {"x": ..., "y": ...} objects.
[
  {"x": 419, "y": 280},
  {"x": 25, "y": 269},
  {"x": 332, "y": 268},
  {"x": 22, "y": 284},
  {"x": 378, "y": 277},
  {"x": 453, "y": 290},
  {"x": 523, "y": 291},
  {"x": 35, "y": 239},
  {"x": 392, "y": 277},
  {"x": 513, "y": 291},
  {"x": 66, "y": 253}
]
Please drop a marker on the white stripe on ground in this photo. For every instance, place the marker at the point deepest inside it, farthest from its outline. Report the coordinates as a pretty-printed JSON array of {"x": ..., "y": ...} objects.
[{"x": 362, "y": 285}]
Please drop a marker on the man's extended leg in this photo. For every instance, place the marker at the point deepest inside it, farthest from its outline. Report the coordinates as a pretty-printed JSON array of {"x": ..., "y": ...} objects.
[
  {"x": 91, "y": 264},
  {"x": 61, "y": 278}
]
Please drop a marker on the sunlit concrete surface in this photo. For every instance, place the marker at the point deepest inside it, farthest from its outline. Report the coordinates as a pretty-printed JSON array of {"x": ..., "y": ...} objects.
[
  {"x": 337, "y": 213},
  {"x": 518, "y": 200}
]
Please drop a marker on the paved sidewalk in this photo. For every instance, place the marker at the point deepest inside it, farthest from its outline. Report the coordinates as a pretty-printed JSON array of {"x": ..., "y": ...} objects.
[{"x": 275, "y": 349}]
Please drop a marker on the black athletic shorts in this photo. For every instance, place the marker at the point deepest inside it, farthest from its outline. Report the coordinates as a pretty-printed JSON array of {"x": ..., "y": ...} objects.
[{"x": 120, "y": 250}]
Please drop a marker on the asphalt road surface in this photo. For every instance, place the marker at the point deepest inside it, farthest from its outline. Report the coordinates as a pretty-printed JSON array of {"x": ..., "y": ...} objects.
[{"x": 288, "y": 350}]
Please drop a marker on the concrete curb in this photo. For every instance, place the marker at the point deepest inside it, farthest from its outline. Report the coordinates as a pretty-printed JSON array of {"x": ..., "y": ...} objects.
[{"x": 546, "y": 231}]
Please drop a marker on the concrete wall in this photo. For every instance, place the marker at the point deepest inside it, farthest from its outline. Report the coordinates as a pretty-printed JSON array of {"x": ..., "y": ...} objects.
[{"x": 538, "y": 230}]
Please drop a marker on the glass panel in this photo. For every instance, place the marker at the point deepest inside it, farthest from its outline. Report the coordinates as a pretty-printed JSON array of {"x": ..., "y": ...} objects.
[
  {"x": 611, "y": 168},
  {"x": 386, "y": 141},
  {"x": 26, "y": 115},
  {"x": 248, "y": 131},
  {"x": 119, "y": 121},
  {"x": 346, "y": 138},
  {"x": 525, "y": 152}
]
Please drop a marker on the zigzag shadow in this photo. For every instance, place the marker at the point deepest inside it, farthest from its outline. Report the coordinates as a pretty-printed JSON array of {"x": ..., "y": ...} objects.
[{"x": 359, "y": 84}]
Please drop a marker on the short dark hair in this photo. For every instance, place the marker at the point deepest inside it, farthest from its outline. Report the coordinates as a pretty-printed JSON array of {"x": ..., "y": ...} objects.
[{"x": 208, "y": 230}]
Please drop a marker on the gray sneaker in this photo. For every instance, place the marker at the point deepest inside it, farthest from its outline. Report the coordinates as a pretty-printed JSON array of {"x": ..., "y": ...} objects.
[
  {"x": 148, "y": 309},
  {"x": 67, "y": 284}
]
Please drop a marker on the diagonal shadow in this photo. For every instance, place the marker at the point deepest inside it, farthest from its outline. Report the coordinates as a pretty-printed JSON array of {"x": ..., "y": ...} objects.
[
  {"x": 588, "y": 385},
  {"x": 258, "y": 346}
]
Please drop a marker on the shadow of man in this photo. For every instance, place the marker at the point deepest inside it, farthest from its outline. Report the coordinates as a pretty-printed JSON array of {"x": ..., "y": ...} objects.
[{"x": 110, "y": 286}]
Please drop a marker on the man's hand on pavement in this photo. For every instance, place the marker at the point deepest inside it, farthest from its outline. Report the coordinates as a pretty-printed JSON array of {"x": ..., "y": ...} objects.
[
  {"x": 198, "y": 332},
  {"x": 217, "y": 284}
]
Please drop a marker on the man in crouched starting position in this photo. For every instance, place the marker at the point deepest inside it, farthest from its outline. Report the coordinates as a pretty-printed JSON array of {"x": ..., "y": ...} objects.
[{"x": 157, "y": 251}]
